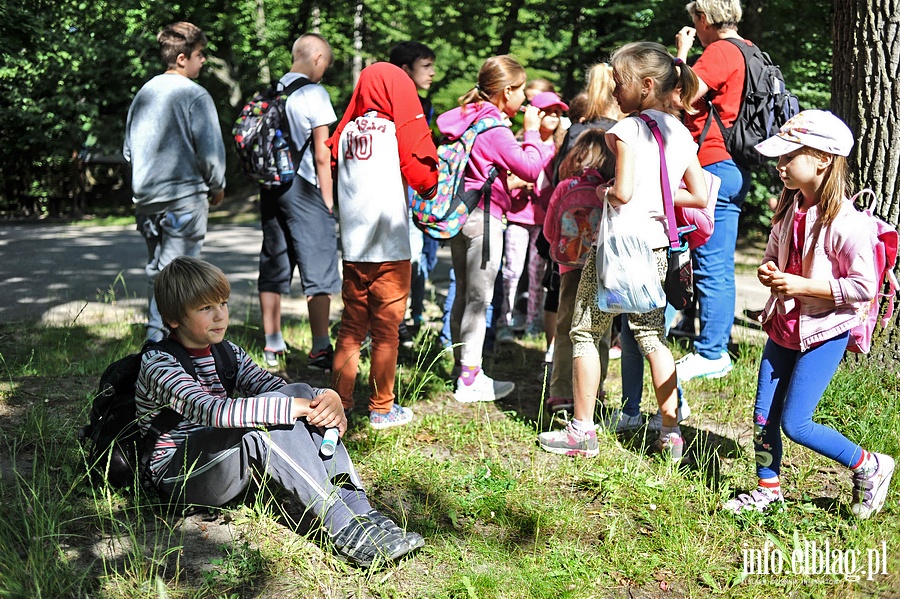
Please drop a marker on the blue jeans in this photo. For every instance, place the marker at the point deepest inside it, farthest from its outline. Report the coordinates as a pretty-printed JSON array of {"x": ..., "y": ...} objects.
[
  {"x": 426, "y": 263},
  {"x": 714, "y": 263},
  {"x": 168, "y": 235},
  {"x": 633, "y": 366},
  {"x": 788, "y": 390}
]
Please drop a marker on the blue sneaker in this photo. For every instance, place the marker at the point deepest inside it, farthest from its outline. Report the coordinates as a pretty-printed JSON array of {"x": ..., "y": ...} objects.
[{"x": 398, "y": 416}]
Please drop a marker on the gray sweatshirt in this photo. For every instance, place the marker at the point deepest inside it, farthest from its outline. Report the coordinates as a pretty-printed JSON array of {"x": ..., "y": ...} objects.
[{"x": 174, "y": 144}]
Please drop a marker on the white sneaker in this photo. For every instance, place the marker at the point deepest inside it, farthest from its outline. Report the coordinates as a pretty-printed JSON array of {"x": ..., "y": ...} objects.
[
  {"x": 483, "y": 388},
  {"x": 694, "y": 366},
  {"x": 619, "y": 422},
  {"x": 870, "y": 490},
  {"x": 684, "y": 412}
]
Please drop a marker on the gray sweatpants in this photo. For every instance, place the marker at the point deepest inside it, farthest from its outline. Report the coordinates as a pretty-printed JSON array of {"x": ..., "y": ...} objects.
[
  {"x": 474, "y": 285},
  {"x": 214, "y": 465}
]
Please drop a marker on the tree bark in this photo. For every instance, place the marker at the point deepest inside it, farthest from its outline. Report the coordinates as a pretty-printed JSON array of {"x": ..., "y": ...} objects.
[
  {"x": 866, "y": 94},
  {"x": 510, "y": 26}
]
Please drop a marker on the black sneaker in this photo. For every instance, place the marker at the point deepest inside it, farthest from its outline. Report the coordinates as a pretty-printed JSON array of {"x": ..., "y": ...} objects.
[
  {"x": 322, "y": 359},
  {"x": 406, "y": 338},
  {"x": 413, "y": 539},
  {"x": 363, "y": 542}
]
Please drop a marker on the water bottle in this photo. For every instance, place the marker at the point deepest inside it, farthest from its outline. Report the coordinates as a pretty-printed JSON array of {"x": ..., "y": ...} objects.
[
  {"x": 329, "y": 442},
  {"x": 283, "y": 161}
]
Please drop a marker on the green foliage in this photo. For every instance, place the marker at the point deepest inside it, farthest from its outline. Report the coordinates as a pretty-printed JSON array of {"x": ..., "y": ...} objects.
[{"x": 72, "y": 67}]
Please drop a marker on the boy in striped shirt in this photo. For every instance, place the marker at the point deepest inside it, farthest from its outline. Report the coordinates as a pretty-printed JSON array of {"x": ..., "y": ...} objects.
[{"x": 268, "y": 427}]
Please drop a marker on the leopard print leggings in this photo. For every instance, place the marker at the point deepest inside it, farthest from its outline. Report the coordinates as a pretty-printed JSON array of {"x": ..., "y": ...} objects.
[{"x": 590, "y": 323}]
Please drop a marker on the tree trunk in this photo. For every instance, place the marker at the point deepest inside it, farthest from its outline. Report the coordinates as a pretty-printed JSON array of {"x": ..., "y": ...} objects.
[
  {"x": 510, "y": 26},
  {"x": 260, "y": 27},
  {"x": 357, "y": 42},
  {"x": 866, "y": 94}
]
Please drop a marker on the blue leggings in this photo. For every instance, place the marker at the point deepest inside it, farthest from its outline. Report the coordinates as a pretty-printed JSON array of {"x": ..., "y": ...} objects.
[{"x": 791, "y": 383}]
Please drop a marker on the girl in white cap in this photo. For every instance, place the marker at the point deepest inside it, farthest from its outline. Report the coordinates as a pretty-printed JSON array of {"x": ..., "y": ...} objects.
[{"x": 819, "y": 263}]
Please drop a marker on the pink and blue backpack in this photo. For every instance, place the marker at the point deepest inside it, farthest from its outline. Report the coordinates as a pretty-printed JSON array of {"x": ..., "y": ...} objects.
[
  {"x": 885, "y": 261},
  {"x": 571, "y": 227}
]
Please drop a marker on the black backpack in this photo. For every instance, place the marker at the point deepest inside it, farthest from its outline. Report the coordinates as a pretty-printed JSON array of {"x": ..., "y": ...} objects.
[
  {"x": 254, "y": 133},
  {"x": 117, "y": 452},
  {"x": 765, "y": 107}
]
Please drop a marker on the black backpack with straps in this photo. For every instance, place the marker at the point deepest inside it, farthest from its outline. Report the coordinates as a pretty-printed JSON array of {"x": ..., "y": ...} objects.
[
  {"x": 766, "y": 105},
  {"x": 254, "y": 133},
  {"x": 116, "y": 450}
]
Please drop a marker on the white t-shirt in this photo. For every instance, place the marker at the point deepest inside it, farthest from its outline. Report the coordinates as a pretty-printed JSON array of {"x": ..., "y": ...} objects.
[
  {"x": 307, "y": 108},
  {"x": 646, "y": 202},
  {"x": 371, "y": 193}
]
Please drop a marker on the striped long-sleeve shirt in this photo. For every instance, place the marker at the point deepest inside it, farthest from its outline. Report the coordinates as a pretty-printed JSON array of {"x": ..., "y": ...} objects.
[{"x": 163, "y": 382}]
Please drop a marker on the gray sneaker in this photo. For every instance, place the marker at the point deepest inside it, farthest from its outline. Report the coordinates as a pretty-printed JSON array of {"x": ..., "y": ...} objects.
[
  {"x": 684, "y": 412},
  {"x": 618, "y": 421},
  {"x": 671, "y": 447},
  {"x": 569, "y": 442},
  {"x": 413, "y": 539},
  {"x": 364, "y": 543},
  {"x": 870, "y": 490}
]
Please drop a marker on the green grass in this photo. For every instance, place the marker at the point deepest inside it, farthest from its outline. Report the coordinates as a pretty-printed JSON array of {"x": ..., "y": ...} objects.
[{"x": 501, "y": 517}]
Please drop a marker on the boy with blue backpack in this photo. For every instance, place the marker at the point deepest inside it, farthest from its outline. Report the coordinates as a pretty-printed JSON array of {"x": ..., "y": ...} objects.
[{"x": 298, "y": 223}]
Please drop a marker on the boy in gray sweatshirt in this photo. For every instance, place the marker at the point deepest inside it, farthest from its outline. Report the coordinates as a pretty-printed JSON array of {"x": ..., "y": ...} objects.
[{"x": 174, "y": 143}]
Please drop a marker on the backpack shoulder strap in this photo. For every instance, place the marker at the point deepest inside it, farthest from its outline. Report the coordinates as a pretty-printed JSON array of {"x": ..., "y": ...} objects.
[
  {"x": 746, "y": 51},
  {"x": 295, "y": 85},
  {"x": 226, "y": 365},
  {"x": 167, "y": 419},
  {"x": 488, "y": 122}
]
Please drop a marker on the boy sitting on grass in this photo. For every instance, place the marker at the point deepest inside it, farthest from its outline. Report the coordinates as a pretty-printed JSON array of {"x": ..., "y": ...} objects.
[{"x": 269, "y": 426}]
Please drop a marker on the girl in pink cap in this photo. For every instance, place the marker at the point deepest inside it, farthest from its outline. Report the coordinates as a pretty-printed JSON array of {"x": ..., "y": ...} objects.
[
  {"x": 819, "y": 264},
  {"x": 528, "y": 200}
]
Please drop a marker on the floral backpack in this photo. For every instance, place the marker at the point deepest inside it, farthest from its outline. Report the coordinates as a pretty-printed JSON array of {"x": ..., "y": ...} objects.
[
  {"x": 575, "y": 211},
  {"x": 444, "y": 215}
]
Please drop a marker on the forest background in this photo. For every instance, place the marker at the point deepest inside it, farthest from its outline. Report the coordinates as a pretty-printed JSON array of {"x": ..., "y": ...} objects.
[{"x": 71, "y": 68}]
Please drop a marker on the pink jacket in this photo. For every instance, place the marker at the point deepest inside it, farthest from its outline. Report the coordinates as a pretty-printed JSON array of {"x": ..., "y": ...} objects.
[
  {"x": 497, "y": 148},
  {"x": 841, "y": 253}
]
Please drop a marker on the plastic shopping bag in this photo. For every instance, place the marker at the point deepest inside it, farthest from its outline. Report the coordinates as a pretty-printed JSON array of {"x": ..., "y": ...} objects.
[{"x": 627, "y": 279}]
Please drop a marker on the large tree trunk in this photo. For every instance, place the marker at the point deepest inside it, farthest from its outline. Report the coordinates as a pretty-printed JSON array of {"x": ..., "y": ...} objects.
[{"x": 866, "y": 94}]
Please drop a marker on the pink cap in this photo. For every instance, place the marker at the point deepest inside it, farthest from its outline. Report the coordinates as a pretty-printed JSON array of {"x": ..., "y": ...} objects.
[
  {"x": 545, "y": 100},
  {"x": 817, "y": 129}
]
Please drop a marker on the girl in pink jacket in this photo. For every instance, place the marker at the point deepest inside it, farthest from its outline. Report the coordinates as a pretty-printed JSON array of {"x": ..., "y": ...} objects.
[
  {"x": 819, "y": 265},
  {"x": 500, "y": 91}
]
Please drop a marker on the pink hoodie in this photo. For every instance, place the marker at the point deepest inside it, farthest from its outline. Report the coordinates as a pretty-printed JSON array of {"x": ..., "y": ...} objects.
[
  {"x": 497, "y": 148},
  {"x": 842, "y": 254}
]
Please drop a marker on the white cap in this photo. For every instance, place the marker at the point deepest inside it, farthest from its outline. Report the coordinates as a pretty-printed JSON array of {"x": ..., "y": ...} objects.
[{"x": 817, "y": 129}]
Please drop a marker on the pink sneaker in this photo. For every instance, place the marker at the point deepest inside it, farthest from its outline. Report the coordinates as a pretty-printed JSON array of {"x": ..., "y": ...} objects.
[{"x": 570, "y": 442}]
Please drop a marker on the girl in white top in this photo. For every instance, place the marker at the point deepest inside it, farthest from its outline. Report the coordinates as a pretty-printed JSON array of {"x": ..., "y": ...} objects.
[{"x": 648, "y": 80}]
